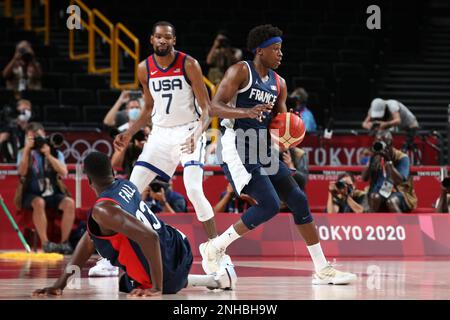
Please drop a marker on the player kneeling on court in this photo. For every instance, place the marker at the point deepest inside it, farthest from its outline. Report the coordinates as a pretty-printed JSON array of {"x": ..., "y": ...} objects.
[{"x": 156, "y": 257}]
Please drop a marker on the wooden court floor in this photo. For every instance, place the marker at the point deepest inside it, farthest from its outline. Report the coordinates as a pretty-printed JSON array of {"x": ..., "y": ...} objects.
[{"x": 268, "y": 279}]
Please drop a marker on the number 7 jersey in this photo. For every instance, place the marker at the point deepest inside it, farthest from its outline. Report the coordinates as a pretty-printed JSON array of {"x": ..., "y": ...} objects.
[{"x": 174, "y": 100}]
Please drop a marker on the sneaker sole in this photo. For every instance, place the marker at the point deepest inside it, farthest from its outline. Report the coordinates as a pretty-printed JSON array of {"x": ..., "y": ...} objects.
[
  {"x": 232, "y": 277},
  {"x": 342, "y": 281}
]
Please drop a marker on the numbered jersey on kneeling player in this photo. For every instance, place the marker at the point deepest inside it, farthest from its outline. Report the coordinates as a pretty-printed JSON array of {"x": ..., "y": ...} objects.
[
  {"x": 124, "y": 252},
  {"x": 174, "y": 100}
]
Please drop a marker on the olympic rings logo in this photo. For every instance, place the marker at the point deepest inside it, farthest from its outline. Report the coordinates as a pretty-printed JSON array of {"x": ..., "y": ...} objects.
[{"x": 80, "y": 148}]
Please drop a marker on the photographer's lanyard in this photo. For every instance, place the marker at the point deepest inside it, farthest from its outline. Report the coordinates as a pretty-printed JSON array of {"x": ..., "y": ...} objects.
[
  {"x": 383, "y": 168},
  {"x": 40, "y": 171}
]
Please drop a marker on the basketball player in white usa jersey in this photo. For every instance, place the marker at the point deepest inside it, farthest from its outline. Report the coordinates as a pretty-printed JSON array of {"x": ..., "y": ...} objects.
[{"x": 172, "y": 82}]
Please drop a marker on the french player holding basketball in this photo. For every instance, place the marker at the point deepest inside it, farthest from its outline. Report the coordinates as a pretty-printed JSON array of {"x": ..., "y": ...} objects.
[
  {"x": 172, "y": 83},
  {"x": 245, "y": 85}
]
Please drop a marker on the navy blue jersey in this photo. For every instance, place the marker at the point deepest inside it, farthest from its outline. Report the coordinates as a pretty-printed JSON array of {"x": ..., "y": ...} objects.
[
  {"x": 124, "y": 252},
  {"x": 257, "y": 91}
]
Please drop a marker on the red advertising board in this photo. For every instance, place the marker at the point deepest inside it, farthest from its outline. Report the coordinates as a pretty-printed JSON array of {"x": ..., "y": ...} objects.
[
  {"x": 346, "y": 150},
  {"x": 339, "y": 150}
]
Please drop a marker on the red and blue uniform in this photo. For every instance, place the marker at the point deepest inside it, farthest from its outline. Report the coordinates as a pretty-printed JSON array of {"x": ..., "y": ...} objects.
[{"x": 126, "y": 254}]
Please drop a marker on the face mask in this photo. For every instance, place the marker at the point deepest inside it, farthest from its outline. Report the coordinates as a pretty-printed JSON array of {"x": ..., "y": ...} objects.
[
  {"x": 24, "y": 116},
  {"x": 133, "y": 114}
]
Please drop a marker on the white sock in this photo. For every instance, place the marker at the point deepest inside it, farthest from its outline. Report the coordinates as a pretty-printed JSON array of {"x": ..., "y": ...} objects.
[
  {"x": 317, "y": 256},
  {"x": 226, "y": 238},
  {"x": 196, "y": 280}
]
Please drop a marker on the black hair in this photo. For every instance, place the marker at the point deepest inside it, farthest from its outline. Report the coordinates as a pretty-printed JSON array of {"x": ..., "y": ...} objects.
[
  {"x": 261, "y": 33},
  {"x": 163, "y": 24},
  {"x": 98, "y": 165}
]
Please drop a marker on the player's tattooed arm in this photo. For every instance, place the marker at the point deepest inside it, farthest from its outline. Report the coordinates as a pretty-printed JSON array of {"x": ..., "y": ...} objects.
[
  {"x": 81, "y": 255},
  {"x": 112, "y": 218},
  {"x": 280, "y": 104},
  {"x": 122, "y": 140},
  {"x": 235, "y": 79}
]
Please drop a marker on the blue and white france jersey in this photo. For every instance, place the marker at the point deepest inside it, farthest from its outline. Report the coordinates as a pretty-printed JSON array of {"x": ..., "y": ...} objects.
[{"x": 257, "y": 91}]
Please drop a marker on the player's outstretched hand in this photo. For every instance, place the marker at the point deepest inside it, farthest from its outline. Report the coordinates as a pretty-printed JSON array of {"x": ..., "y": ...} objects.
[
  {"x": 257, "y": 112},
  {"x": 122, "y": 140},
  {"x": 49, "y": 291},
  {"x": 189, "y": 145},
  {"x": 136, "y": 293}
]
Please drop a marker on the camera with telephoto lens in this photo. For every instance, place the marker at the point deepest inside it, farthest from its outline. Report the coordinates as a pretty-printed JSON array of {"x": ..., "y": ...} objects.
[
  {"x": 54, "y": 141},
  {"x": 379, "y": 146},
  {"x": 224, "y": 43},
  {"x": 340, "y": 185},
  {"x": 446, "y": 183},
  {"x": 135, "y": 94},
  {"x": 25, "y": 55}
]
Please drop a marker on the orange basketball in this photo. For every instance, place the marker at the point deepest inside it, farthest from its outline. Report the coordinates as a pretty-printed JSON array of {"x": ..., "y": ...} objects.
[{"x": 287, "y": 129}]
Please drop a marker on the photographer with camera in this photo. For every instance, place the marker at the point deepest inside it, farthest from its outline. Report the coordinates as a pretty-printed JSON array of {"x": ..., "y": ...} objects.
[
  {"x": 161, "y": 198},
  {"x": 343, "y": 197},
  {"x": 221, "y": 56},
  {"x": 41, "y": 166},
  {"x": 122, "y": 120},
  {"x": 23, "y": 72},
  {"x": 126, "y": 157},
  {"x": 443, "y": 203},
  {"x": 386, "y": 114},
  {"x": 12, "y": 129},
  {"x": 391, "y": 186}
]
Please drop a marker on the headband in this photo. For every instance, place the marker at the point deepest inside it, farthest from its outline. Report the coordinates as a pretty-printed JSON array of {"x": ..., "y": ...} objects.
[{"x": 268, "y": 42}]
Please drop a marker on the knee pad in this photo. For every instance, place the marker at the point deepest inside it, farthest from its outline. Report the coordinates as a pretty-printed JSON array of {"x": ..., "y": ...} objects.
[
  {"x": 295, "y": 198},
  {"x": 193, "y": 182}
]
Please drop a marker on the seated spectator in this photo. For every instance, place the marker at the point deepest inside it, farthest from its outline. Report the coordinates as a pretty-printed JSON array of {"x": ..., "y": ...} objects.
[
  {"x": 296, "y": 159},
  {"x": 443, "y": 203},
  {"x": 41, "y": 167},
  {"x": 391, "y": 186},
  {"x": 23, "y": 72},
  {"x": 386, "y": 114},
  {"x": 343, "y": 197},
  {"x": 114, "y": 119},
  {"x": 301, "y": 99},
  {"x": 231, "y": 203},
  {"x": 161, "y": 198},
  {"x": 221, "y": 56},
  {"x": 125, "y": 158}
]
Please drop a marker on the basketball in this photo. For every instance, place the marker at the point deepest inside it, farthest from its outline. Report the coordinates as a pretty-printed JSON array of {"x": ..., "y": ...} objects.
[{"x": 287, "y": 129}]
